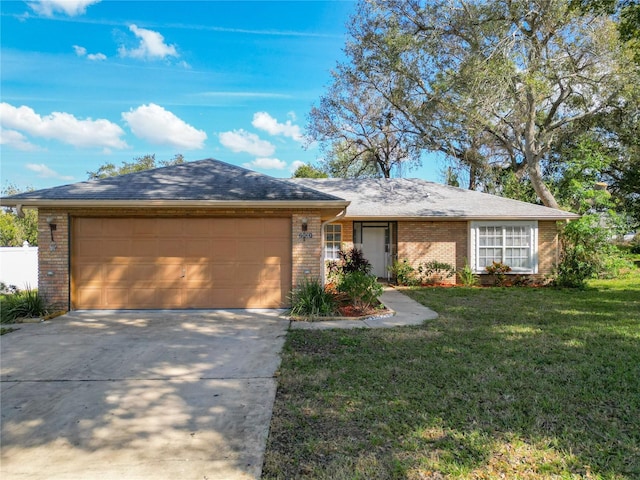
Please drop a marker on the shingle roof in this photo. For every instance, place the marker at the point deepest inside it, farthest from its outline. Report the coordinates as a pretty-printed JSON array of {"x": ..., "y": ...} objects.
[
  {"x": 414, "y": 198},
  {"x": 205, "y": 180}
]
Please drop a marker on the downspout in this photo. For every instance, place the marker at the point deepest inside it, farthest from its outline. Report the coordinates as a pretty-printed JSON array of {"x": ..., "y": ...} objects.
[{"x": 323, "y": 268}]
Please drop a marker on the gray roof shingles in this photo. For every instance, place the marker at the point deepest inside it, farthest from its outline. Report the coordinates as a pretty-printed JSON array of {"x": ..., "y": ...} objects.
[
  {"x": 210, "y": 180},
  {"x": 415, "y": 198}
]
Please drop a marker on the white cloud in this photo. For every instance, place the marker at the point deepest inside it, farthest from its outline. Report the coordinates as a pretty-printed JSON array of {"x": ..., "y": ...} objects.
[
  {"x": 151, "y": 46},
  {"x": 81, "y": 52},
  {"x": 296, "y": 165},
  {"x": 45, "y": 172},
  {"x": 70, "y": 7},
  {"x": 63, "y": 127},
  {"x": 267, "y": 164},
  {"x": 264, "y": 121},
  {"x": 96, "y": 56},
  {"x": 161, "y": 127},
  {"x": 16, "y": 140},
  {"x": 243, "y": 141}
]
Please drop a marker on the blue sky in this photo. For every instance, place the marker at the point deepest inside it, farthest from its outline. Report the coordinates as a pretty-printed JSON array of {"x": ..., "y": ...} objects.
[{"x": 85, "y": 82}]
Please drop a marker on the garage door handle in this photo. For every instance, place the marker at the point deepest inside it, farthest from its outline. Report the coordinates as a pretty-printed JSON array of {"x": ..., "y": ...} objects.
[{"x": 184, "y": 273}]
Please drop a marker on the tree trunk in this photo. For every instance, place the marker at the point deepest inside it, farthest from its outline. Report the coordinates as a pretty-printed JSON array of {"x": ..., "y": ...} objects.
[{"x": 533, "y": 167}]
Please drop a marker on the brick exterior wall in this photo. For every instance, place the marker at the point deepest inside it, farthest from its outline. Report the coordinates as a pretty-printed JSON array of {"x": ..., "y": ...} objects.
[
  {"x": 548, "y": 247},
  {"x": 306, "y": 252},
  {"x": 53, "y": 258},
  {"x": 425, "y": 241}
]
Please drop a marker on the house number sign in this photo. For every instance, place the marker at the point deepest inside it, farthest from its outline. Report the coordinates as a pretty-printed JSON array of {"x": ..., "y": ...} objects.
[{"x": 305, "y": 235}]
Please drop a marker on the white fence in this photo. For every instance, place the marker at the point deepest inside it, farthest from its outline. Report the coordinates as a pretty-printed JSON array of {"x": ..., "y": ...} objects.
[{"x": 19, "y": 266}]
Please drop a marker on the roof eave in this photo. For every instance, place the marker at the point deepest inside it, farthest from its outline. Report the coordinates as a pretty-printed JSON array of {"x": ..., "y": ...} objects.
[
  {"x": 222, "y": 204},
  {"x": 568, "y": 216}
]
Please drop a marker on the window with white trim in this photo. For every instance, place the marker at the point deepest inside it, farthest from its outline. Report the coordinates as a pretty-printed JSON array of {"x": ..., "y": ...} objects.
[
  {"x": 332, "y": 241},
  {"x": 514, "y": 243}
]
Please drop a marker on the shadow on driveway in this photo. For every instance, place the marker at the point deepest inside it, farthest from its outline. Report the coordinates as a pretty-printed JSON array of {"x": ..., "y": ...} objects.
[{"x": 140, "y": 394}]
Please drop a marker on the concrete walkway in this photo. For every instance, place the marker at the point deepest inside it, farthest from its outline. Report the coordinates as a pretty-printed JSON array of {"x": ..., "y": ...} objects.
[{"x": 406, "y": 311}]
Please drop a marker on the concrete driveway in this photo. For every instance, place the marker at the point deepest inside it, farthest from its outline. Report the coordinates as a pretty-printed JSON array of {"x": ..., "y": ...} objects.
[{"x": 139, "y": 395}]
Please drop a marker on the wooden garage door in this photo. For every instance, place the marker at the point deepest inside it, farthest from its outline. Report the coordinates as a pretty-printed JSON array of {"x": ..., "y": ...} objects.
[{"x": 148, "y": 263}]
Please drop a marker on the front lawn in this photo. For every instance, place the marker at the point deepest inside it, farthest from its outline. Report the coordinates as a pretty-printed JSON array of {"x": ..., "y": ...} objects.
[{"x": 528, "y": 383}]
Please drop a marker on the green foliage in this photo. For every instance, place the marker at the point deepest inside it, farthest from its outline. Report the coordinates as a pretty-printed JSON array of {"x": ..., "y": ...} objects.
[
  {"x": 586, "y": 249},
  {"x": 404, "y": 273},
  {"x": 22, "y": 304},
  {"x": 361, "y": 288},
  {"x": 353, "y": 261},
  {"x": 14, "y": 231},
  {"x": 466, "y": 275},
  {"x": 498, "y": 270},
  {"x": 310, "y": 299},
  {"x": 434, "y": 271},
  {"x": 308, "y": 171},
  {"x": 139, "y": 164}
]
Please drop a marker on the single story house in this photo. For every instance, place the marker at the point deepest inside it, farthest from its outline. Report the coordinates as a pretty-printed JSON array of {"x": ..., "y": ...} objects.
[{"x": 208, "y": 234}]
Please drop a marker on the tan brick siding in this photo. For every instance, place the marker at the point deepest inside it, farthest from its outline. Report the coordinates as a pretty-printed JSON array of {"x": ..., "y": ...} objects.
[
  {"x": 53, "y": 258},
  {"x": 306, "y": 252},
  {"x": 425, "y": 241},
  {"x": 547, "y": 247}
]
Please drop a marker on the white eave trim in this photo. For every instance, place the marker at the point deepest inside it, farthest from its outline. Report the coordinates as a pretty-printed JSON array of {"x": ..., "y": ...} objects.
[
  {"x": 222, "y": 204},
  {"x": 387, "y": 218}
]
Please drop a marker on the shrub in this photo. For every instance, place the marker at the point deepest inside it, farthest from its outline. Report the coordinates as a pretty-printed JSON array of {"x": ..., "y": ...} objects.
[
  {"x": 586, "y": 252},
  {"x": 499, "y": 271},
  {"x": 434, "y": 271},
  {"x": 404, "y": 273},
  {"x": 21, "y": 304},
  {"x": 361, "y": 288},
  {"x": 353, "y": 261},
  {"x": 466, "y": 275},
  {"x": 310, "y": 299}
]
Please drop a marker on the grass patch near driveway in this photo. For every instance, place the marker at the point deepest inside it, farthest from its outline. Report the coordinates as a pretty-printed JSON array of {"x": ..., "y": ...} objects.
[{"x": 522, "y": 383}]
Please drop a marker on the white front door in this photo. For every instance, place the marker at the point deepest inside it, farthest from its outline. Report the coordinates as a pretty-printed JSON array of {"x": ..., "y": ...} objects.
[{"x": 373, "y": 248}]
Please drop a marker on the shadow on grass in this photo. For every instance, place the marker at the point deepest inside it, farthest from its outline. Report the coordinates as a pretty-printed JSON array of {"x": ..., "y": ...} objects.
[{"x": 512, "y": 383}]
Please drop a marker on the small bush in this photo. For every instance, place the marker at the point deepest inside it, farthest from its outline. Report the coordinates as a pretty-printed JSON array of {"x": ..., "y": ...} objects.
[
  {"x": 22, "y": 304},
  {"x": 310, "y": 299},
  {"x": 467, "y": 277},
  {"x": 362, "y": 289},
  {"x": 353, "y": 261},
  {"x": 499, "y": 271},
  {"x": 404, "y": 273},
  {"x": 435, "y": 272}
]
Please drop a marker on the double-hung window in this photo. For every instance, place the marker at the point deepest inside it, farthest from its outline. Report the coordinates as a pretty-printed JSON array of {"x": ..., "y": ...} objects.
[
  {"x": 514, "y": 243},
  {"x": 332, "y": 241}
]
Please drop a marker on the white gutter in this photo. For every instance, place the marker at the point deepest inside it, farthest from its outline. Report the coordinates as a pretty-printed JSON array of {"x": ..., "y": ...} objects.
[
  {"x": 323, "y": 268},
  {"x": 105, "y": 203}
]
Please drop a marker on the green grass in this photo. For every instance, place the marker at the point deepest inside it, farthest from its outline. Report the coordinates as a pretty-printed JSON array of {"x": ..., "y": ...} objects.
[{"x": 516, "y": 383}]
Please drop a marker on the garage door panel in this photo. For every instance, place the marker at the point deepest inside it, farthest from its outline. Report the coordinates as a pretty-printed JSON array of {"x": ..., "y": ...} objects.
[
  {"x": 197, "y": 247},
  {"x": 171, "y": 247},
  {"x": 144, "y": 247},
  {"x": 180, "y": 263},
  {"x": 89, "y": 272},
  {"x": 224, "y": 250},
  {"x": 89, "y": 297},
  {"x": 275, "y": 226},
  {"x": 113, "y": 247},
  {"x": 116, "y": 272},
  {"x": 198, "y": 272},
  {"x": 276, "y": 248},
  {"x": 141, "y": 297},
  {"x": 145, "y": 227},
  {"x": 224, "y": 227}
]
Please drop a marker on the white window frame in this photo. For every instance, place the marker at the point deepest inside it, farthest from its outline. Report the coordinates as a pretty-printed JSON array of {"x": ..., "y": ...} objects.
[
  {"x": 474, "y": 247},
  {"x": 331, "y": 229}
]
